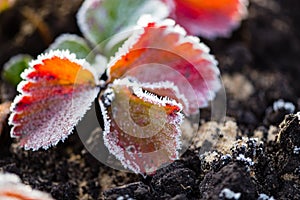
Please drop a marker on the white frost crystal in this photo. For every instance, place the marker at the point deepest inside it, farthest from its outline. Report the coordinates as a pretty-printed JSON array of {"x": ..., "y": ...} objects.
[
  {"x": 229, "y": 194},
  {"x": 281, "y": 104}
]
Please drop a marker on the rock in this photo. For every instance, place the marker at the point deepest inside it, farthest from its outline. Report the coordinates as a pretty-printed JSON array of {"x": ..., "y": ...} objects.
[
  {"x": 289, "y": 135},
  {"x": 137, "y": 190},
  {"x": 278, "y": 171},
  {"x": 233, "y": 177},
  {"x": 175, "y": 181}
]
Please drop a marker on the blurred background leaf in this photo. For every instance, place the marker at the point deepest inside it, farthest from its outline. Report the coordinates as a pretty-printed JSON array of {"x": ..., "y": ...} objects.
[
  {"x": 74, "y": 44},
  {"x": 14, "y": 67},
  {"x": 79, "y": 46},
  {"x": 99, "y": 20},
  {"x": 6, "y": 4}
]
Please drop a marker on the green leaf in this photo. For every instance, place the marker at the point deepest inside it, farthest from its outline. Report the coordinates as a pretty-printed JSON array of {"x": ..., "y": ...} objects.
[
  {"x": 75, "y": 44},
  {"x": 14, "y": 67},
  {"x": 101, "y": 19},
  {"x": 79, "y": 46}
]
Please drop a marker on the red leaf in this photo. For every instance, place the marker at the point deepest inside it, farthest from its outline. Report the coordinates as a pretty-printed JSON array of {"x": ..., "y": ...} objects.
[
  {"x": 11, "y": 188},
  {"x": 141, "y": 130},
  {"x": 56, "y": 92},
  {"x": 208, "y": 18},
  {"x": 162, "y": 52}
]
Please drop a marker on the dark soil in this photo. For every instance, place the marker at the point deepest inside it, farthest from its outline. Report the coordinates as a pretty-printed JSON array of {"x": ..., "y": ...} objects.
[{"x": 265, "y": 50}]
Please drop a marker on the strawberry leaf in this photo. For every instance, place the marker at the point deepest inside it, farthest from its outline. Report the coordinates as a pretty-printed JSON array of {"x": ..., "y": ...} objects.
[
  {"x": 209, "y": 19},
  {"x": 162, "y": 52},
  {"x": 75, "y": 44},
  {"x": 80, "y": 47},
  {"x": 11, "y": 187},
  {"x": 56, "y": 92},
  {"x": 140, "y": 129},
  {"x": 98, "y": 20}
]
